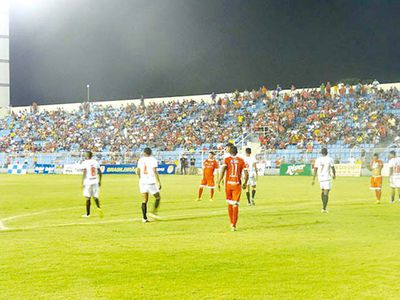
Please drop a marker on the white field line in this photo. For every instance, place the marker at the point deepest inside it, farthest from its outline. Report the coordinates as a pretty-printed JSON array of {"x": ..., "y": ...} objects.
[{"x": 2, "y": 227}]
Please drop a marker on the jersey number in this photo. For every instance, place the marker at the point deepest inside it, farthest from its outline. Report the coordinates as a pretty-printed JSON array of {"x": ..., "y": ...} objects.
[
  {"x": 93, "y": 171},
  {"x": 145, "y": 170},
  {"x": 234, "y": 170}
]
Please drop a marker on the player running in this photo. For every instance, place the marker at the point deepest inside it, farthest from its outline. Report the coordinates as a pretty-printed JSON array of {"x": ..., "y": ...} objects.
[
  {"x": 91, "y": 181},
  {"x": 376, "y": 166},
  {"x": 233, "y": 166},
  {"x": 394, "y": 174},
  {"x": 251, "y": 164},
  {"x": 323, "y": 166},
  {"x": 209, "y": 167},
  {"x": 149, "y": 183}
]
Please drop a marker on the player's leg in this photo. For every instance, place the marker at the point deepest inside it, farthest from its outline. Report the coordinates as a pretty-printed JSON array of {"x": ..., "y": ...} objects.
[
  {"x": 253, "y": 193},
  {"x": 157, "y": 197},
  {"x": 326, "y": 195},
  {"x": 211, "y": 186},
  {"x": 145, "y": 199},
  {"x": 201, "y": 188},
  {"x": 228, "y": 193},
  {"x": 393, "y": 193},
  {"x": 236, "y": 198},
  {"x": 87, "y": 195},
  {"x": 248, "y": 189},
  {"x": 87, "y": 207},
  {"x": 95, "y": 194}
]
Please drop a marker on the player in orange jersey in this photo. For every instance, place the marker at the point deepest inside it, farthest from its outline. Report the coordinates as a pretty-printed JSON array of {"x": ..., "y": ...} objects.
[
  {"x": 210, "y": 165},
  {"x": 233, "y": 167},
  {"x": 376, "y": 166}
]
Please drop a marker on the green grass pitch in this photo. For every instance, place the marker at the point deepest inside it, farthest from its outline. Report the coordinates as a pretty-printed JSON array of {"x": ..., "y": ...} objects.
[{"x": 284, "y": 249}]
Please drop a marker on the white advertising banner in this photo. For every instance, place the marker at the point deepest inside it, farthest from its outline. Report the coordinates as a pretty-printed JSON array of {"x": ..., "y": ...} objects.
[
  {"x": 348, "y": 170},
  {"x": 72, "y": 169}
]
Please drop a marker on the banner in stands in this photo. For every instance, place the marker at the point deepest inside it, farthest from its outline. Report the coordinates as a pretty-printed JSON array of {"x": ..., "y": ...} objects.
[
  {"x": 131, "y": 169},
  {"x": 348, "y": 170},
  {"x": 72, "y": 169},
  {"x": 17, "y": 169},
  {"x": 44, "y": 169},
  {"x": 295, "y": 170}
]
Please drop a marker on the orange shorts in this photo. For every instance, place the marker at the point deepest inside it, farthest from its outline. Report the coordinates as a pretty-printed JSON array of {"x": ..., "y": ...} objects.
[
  {"x": 208, "y": 182},
  {"x": 233, "y": 193},
  {"x": 376, "y": 183}
]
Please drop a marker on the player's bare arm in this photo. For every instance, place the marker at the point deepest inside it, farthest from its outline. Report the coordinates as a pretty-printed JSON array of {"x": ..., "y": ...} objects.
[
  {"x": 333, "y": 172},
  {"x": 255, "y": 170},
  {"x": 100, "y": 175},
  {"x": 158, "y": 178},
  {"x": 390, "y": 173},
  {"x": 138, "y": 172},
  {"x": 221, "y": 177},
  {"x": 246, "y": 178},
  {"x": 83, "y": 176}
]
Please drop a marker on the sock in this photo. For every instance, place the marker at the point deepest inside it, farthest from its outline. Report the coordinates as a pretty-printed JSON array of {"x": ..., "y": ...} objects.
[
  {"x": 88, "y": 207},
  {"x": 212, "y": 193},
  {"x": 392, "y": 198},
  {"x": 326, "y": 201},
  {"x": 323, "y": 200},
  {"x": 253, "y": 193},
  {"x": 156, "y": 204},
  {"x": 248, "y": 196},
  {"x": 230, "y": 213},
  {"x": 200, "y": 192},
  {"x": 97, "y": 201},
  {"x": 235, "y": 214},
  {"x": 144, "y": 210}
]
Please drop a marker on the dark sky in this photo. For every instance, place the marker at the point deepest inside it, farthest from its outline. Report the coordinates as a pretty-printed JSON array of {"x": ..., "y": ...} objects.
[{"x": 125, "y": 48}]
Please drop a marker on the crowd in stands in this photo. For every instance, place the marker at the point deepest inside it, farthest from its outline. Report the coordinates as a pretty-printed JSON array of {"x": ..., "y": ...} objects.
[{"x": 353, "y": 114}]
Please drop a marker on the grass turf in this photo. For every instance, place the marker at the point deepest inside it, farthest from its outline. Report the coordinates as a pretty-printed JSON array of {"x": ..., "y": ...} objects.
[{"x": 284, "y": 249}]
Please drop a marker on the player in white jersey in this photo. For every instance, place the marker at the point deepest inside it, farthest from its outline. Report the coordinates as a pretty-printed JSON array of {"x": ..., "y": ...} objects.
[
  {"x": 394, "y": 174},
  {"x": 91, "y": 181},
  {"x": 149, "y": 183},
  {"x": 323, "y": 167},
  {"x": 251, "y": 164}
]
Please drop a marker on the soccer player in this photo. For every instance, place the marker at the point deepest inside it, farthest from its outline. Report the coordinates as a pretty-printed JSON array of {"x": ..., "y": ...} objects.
[
  {"x": 149, "y": 183},
  {"x": 209, "y": 167},
  {"x": 91, "y": 181},
  {"x": 251, "y": 164},
  {"x": 233, "y": 167},
  {"x": 323, "y": 166},
  {"x": 394, "y": 174},
  {"x": 376, "y": 166}
]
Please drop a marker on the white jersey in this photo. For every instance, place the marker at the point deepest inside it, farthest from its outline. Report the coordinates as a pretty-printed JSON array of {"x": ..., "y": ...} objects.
[
  {"x": 91, "y": 166},
  {"x": 324, "y": 165},
  {"x": 395, "y": 164},
  {"x": 250, "y": 161},
  {"x": 146, "y": 165}
]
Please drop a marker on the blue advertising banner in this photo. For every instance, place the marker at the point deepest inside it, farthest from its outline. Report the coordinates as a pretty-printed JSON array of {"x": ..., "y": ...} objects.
[
  {"x": 44, "y": 169},
  {"x": 131, "y": 169}
]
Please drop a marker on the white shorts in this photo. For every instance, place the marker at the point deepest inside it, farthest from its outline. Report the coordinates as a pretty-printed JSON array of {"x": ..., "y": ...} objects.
[
  {"x": 252, "y": 181},
  {"x": 150, "y": 188},
  {"x": 325, "y": 184},
  {"x": 395, "y": 182},
  {"x": 91, "y": 190}
]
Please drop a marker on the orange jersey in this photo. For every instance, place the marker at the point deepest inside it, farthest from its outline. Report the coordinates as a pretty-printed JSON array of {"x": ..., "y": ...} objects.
[
  {"x": 376, "y": 167},
  {"x": 234, "y": 168},
  {"x": 209, "y": 166}
]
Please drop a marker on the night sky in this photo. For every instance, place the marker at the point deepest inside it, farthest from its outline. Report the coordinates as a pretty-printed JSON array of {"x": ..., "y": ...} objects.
[{"x": 126, "y": 48}]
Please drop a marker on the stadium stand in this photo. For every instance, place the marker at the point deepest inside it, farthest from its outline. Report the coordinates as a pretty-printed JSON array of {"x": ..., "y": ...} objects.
[{"x": 288, "y": 124}]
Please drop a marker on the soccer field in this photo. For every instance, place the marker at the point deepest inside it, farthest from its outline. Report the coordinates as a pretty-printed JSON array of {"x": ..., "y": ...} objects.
[{"x": 284, "y": 248}]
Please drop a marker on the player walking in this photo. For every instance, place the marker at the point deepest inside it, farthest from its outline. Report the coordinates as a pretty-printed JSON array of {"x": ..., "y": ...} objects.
[
  {"x": 323, "y": 166},
  {"x": 149, "y": 183},
  {"x": 233, "y": 166},
  {"x": 394, "y": 174},
  {"x": 209, "y": 167},
  {"x": 376, "y": 166},
  {"x": 251, "y": 164},
  {"x": 91, "y": 181}
]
